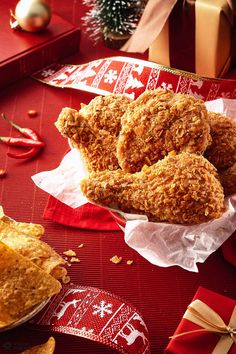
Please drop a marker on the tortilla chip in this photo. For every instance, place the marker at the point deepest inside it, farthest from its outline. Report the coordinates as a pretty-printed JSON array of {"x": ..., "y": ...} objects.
[
  {"x": 5, "y": 229},
  {"x": 46, "y": 348},
  {"x": 22, "y": 285},
  {"x": 24, "y": 238},
  {"x": 30, "y": 229},
  {"x": 34, "y": 249}
]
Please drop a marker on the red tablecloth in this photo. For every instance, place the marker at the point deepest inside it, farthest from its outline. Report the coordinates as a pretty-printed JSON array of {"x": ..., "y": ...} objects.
[{"x": 161, "y": 294}]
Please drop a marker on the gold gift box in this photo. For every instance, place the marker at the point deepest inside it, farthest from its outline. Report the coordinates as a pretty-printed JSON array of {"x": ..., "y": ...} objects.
[{"x": 214, "y": 22}]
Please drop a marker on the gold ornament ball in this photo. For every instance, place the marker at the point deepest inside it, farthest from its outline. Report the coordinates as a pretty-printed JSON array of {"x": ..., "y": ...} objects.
[{"x": 33, "y": 15}]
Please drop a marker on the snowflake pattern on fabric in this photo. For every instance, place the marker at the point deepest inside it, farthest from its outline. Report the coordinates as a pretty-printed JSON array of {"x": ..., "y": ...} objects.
[
  {"x": 133, "y": 83},
  {"x": 110, "y": 76},
  {"x": 48, "y": 72},
  {"x": 102, "y": 309},
  {"x": 113, "y": 76},
  {"x": 166, "y": 86}
]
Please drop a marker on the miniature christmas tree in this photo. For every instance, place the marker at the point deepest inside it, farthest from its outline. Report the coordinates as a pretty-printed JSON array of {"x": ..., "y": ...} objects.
[{"x": 112, "y": 19}]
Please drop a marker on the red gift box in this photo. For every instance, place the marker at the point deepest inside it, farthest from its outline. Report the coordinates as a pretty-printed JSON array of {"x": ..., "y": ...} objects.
[{"x": 194, "y": 338}]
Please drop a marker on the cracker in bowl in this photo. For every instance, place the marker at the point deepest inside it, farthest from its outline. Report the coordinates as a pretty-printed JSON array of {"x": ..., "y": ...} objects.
[
  {"x": 23, "y": 285},
  {"x": 24, "y": 238}
]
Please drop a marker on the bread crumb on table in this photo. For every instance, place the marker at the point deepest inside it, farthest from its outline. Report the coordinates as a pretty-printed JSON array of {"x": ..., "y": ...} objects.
[
  {"x": 130, "y": 262},
  {"x": 74, "y": 260},
  {"x": 69, "y": 253},
  {"x": 115, "y": 259}
]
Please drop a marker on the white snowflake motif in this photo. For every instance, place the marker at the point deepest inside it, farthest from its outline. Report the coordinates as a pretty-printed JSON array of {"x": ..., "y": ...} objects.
[
  {"x": 166, "y": 86},
  {"x": 110, "y": 76},
  {"x": 48, "y": 72},
  {"x": 102, "y": 309}
]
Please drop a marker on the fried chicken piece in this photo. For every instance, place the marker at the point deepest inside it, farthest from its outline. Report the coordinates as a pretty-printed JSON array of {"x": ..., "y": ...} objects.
[
  {"x": 97, "y": 147},
  {"x": 222, "y": 151},
  {"x": 105, "y": 112},
  {"x": 228, "y": 180},
  {"x": 158, "y": 122},
  {"x": 181, "y": 188}
]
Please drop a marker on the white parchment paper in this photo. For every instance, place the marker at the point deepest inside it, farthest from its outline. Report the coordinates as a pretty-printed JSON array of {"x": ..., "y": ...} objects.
[{"x": 162, "y": 244}]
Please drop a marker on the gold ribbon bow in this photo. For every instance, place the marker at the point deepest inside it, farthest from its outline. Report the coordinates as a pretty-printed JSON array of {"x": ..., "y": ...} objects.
[{"x": 202, "y": 315}]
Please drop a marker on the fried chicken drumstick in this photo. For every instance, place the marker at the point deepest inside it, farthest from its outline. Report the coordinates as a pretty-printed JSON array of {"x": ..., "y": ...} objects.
[
  {"x": 158, "y": 122},
  {"x": 105, "y": 112},
  {"x": 93, "y": 130},
  {"x": 181, "y": 188},
  {"x": 97, "y": 147}
]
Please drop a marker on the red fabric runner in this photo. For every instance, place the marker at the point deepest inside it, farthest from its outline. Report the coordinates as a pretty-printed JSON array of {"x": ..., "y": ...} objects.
[{"x": 88, "y": 216}]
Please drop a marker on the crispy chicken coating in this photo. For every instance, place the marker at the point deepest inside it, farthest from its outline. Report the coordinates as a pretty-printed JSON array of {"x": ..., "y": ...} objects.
[
  {"x": 228, "y": 180},
  {"x": 222, "y": 151},
  {"x": 105, "y": 112},
  {"x": 97, "y": 147},
  {"x": 181, "y": 188},
  {"x": 158, "y": 122}
]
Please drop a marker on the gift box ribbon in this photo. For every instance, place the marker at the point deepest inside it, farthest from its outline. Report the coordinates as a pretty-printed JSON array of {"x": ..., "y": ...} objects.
[
  {"x": 154, "y": 17},
  {"x": 97, "y": 315},
  {"x": 181, "y": 25},
  {"x": 131, "y": 77},
  {"x": 210, "y": 321}
]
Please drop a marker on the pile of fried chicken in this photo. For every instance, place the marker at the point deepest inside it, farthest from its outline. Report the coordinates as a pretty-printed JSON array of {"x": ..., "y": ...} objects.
[{"x": 162, "y": 155}]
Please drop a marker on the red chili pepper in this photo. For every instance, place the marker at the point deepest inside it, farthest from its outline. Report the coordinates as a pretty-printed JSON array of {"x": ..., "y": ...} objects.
[
  {"x": 29, "y": 133},
  {"x": 25, "y": 155},
  {"x": 21, "y": 142},
  {"x": 32, "y": 113}
]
